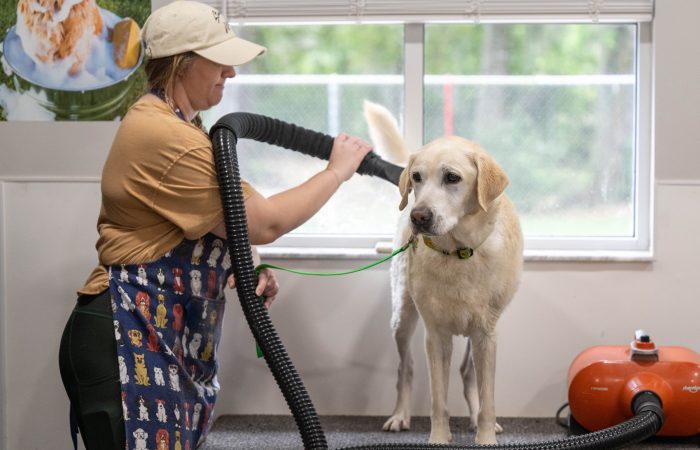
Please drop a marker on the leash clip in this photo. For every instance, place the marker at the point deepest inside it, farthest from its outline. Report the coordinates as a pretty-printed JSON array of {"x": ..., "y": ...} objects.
[{"x": 413, "y": 242}]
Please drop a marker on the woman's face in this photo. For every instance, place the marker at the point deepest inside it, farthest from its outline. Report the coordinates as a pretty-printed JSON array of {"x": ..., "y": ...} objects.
[{"x": 203, "y": 82}]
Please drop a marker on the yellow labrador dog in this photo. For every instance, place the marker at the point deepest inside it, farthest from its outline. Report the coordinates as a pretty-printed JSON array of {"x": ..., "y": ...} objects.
[{"x": 461, "y": 273}]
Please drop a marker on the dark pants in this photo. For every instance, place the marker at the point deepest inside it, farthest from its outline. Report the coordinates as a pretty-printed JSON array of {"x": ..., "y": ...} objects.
[{"x": 90, "y": 373}]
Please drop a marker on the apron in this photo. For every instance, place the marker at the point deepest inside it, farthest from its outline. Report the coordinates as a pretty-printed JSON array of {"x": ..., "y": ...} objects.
[{"x": 167, "y": 324}]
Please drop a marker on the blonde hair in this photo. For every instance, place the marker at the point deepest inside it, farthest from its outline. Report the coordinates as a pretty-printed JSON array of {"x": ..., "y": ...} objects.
[{"x": 161, "y": 74}]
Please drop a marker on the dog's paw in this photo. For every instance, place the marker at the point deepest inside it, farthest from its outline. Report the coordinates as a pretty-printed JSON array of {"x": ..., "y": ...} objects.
[
  {"x": 397, "y": 422},
  {"x": 473, "y": 427},
  {"x": 485, "y": 438},
  {"x": 440, "y": 437}
]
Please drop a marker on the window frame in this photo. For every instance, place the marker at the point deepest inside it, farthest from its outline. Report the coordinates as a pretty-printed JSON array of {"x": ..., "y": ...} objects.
[{"x": 639, "y": 247}]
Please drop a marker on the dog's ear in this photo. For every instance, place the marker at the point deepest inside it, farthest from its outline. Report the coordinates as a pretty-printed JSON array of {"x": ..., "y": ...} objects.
[
  {"x": 405, "y": 184},
  {"x": 491, "y": 179}
]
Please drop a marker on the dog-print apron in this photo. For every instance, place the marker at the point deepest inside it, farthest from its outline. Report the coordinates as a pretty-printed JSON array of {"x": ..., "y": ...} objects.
[{"x": 167, "y": 324}]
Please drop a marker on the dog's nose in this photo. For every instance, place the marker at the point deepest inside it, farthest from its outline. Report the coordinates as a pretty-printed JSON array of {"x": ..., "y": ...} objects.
[{"x": 421, "y": 216}]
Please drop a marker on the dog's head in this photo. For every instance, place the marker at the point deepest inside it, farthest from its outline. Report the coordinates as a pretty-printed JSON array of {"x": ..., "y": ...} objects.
[
  {"x": 138, "y": 358},
  {"x": 451, "y": 177}
]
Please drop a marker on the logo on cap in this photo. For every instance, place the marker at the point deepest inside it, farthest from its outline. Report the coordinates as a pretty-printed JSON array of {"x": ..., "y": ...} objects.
[{"x": 217, "y": 17}]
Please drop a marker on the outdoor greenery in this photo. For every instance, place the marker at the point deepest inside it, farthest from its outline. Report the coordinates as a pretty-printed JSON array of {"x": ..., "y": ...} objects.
[{"x": 568, "y": 149}]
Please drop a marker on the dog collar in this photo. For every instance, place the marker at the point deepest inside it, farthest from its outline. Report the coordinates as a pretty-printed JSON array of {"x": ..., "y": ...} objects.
[{"x": 461, "y": 253}]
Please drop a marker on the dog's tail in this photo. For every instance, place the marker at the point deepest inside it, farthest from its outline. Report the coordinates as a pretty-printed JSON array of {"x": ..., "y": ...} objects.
[{"x": 385, "y": 134}]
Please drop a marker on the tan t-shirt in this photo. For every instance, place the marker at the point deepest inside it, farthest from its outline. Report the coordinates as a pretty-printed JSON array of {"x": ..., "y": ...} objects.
[{"x": 159, "y": 186}]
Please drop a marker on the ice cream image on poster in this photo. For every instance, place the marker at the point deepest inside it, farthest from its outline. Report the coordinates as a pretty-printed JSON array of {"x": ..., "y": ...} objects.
[{"x": 70, "y": 59}]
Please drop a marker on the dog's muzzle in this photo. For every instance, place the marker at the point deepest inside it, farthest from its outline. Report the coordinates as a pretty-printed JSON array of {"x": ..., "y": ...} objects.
[{"x": 422, "y": 219}]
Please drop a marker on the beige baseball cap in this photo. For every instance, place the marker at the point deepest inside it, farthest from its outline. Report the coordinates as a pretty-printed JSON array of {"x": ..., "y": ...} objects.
[{"x": 189, "y": 26}]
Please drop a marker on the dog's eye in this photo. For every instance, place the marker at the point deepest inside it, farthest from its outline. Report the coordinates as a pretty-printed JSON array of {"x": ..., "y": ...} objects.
[
  {"x": 416, "y": 177},
  {"x": 452, "y": 178}
]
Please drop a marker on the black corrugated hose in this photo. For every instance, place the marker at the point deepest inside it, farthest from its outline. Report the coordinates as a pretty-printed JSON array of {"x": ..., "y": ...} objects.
[{"x": 224, "y": 134}]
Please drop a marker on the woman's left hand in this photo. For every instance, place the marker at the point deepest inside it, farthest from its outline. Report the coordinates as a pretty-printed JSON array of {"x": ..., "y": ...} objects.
[{"x": 267, "y": 285}]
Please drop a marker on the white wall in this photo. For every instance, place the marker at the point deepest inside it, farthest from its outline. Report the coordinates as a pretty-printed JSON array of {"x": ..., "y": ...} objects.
[{"x": 336, "y": 330}]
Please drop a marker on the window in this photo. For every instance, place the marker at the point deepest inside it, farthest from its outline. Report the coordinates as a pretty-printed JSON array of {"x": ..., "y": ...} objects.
[{"x": 563, "y": 106}]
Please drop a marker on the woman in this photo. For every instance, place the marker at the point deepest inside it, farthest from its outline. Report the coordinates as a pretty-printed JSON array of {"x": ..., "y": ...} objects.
[{"x": 138, "y": 355}]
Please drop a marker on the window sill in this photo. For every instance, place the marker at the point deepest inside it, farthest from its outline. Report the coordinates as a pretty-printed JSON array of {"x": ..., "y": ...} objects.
[
  {"x": 310, "y": 253},
  {"x": 589, "y": 256},
  {"x": 319, "y": 253}
]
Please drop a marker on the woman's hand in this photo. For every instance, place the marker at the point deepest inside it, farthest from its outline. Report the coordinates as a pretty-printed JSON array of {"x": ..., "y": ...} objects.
[
  {"x": 267, "y": 285},
  {"x": 346, "y": 155}
]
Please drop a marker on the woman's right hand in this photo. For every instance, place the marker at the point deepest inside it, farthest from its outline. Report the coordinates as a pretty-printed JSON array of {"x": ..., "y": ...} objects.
[{"x": 346, "y": 155}]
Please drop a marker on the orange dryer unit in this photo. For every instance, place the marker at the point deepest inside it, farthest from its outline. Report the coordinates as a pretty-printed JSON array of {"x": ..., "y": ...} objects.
[{"x": 604, "y": 380}]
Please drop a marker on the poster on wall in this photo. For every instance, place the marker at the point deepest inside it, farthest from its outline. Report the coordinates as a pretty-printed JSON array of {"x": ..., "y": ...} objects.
[{"x": 70, "y": 59}]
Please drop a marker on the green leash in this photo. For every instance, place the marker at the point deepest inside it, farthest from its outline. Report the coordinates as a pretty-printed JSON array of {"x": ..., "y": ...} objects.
[
  {"x": 260, "y": 267},
  {"x": 330, "y": 274}
]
